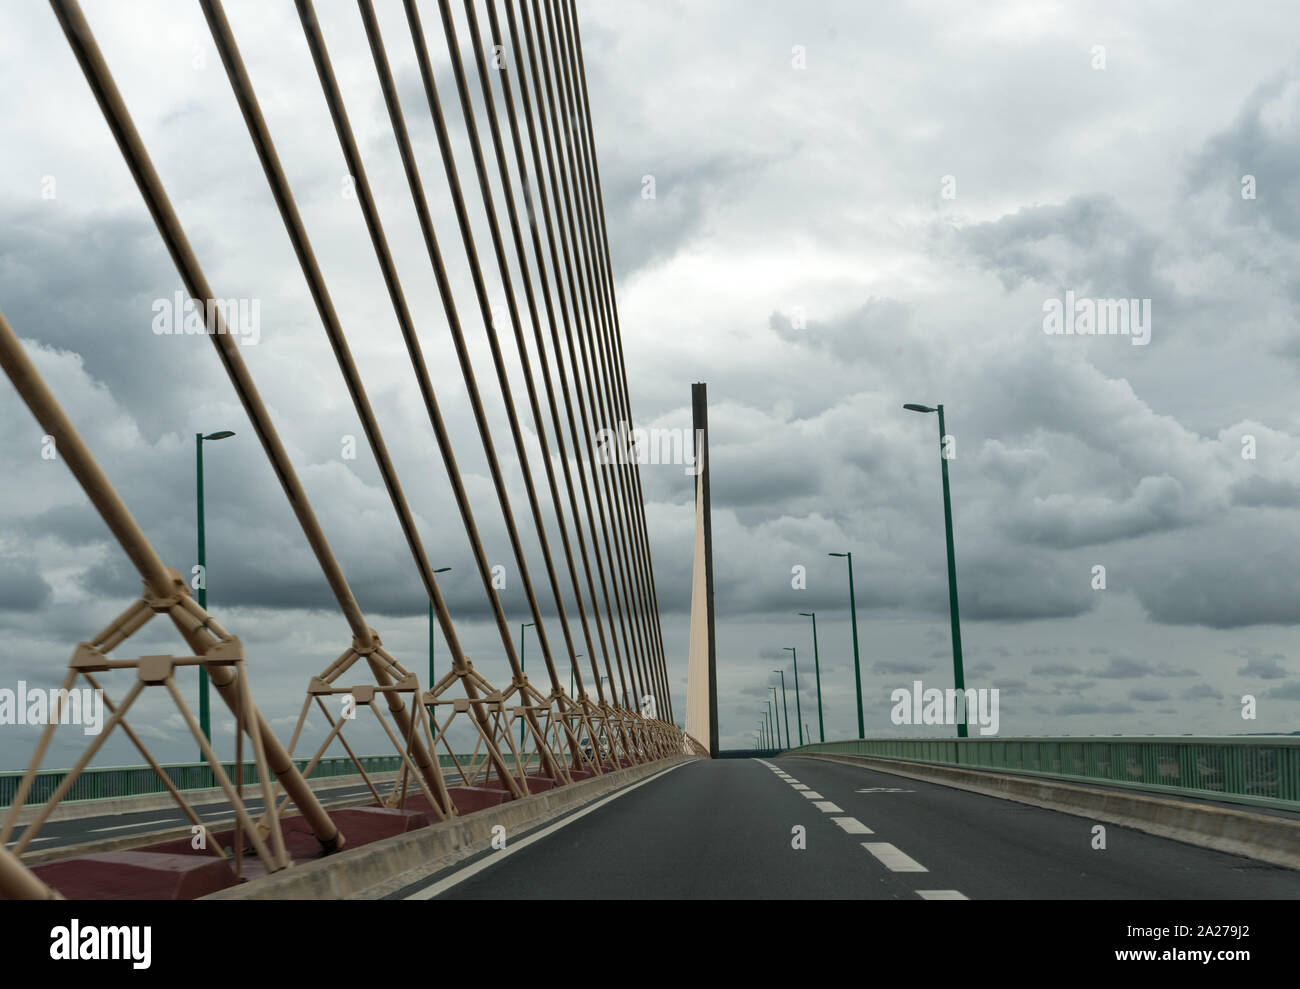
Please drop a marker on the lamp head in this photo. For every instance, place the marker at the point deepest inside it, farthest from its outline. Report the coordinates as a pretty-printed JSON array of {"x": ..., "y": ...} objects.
[
  {"x": 220, "y": 435},
  {"x": 919, "y": 408}
]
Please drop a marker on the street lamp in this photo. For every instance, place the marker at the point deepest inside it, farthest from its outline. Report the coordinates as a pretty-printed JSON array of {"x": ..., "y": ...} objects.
[
  {"x": 857, "y": 669},
  {"x": 959, "y": 677},
  {"x": 205, "y": 716},
  {"x": 785, "y": 705},
  {"x": 522, "y": 626},
  {"x": 798, "y": 711},
  {"x": 817, "y": 667},
  {"x": 773, "y": 711},
  {"x": 431, "y": 673}
]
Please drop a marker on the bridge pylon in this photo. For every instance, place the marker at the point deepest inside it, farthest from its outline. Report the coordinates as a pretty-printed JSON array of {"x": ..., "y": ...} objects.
[{"x": 702, "y": 676}]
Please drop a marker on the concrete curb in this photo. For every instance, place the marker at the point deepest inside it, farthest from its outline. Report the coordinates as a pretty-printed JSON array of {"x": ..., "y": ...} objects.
[
  {"x": 369, "y": 870},
  {"x": 1275, "y": 840}
]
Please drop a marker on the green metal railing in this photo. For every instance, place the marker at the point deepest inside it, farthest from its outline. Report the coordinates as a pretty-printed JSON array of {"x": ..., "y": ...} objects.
[
  {"x": 139, "y": 781},
  {"x": 1262, "y": 770}
]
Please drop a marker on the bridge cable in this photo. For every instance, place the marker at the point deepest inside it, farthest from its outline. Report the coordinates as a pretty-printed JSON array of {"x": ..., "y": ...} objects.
[
  {"x": 240, "y": 82},
  {"x": 597, "y": 384},
  {"x": 599, "y": 214},
  {"x": 622, "y": 598}
]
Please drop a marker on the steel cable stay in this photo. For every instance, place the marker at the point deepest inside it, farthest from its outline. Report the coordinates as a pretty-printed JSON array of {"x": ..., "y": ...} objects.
[{"x": 578, "y": 349}]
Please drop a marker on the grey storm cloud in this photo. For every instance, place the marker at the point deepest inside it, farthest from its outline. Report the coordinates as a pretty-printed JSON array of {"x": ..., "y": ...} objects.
[
  {"x": 798, "y": 256},
  {"x": 1263, "y": 667},
  {"x": 864, "y": 333},
  {"x": 1124, "y": 668},
  {"x": 906, "y": 667},
  {"x": 1289, "y": 691},
  {"x": 1261, "y": 141},
  {"x": 1055, "y": 670},
  {"x": 1265, "y": 492},
  {"x": 1147, "y": 695},
  {"x": 1089, "y": 243},
  {"x": 1075, "y": 708},
  {"x": 22, "y": 588},
  {"x": 1230, "y": 577}
]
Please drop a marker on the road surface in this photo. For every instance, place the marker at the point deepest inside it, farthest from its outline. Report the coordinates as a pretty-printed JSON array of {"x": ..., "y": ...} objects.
[{"x": 725, "y": 829}]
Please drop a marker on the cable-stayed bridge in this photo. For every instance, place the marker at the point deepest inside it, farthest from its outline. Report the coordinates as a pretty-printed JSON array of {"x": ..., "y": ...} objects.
[
  {"x": 588, "y": 746},
  {"x": 549, "y": 245}
]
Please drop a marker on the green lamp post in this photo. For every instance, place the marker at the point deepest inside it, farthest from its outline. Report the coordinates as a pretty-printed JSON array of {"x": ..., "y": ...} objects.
[
  {"x": 817, "y": 668},
  {"x": 857, "y": 668},
  {"x": 205, "y": 714},
  {"x": 959, "y": 677}
]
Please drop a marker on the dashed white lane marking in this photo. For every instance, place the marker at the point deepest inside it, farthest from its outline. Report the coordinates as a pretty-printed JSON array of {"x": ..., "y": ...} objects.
[
  {"x": 32, "y": 842},
  {"x": 852, "y": 825},
  {"x": 460, "y": 875},
  {"x": 138, "y": 824},
  {"x": 893, "y": 858},
  {"x": 801, "y": 786},
  {"x": 826, "y": 807},
  {"x": 940, "y": 894},
  {"x": 811, "y": 794}
]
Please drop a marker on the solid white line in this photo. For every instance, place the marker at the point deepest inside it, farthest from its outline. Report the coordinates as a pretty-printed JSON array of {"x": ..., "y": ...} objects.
[
  {"x": 852, "y": 825},
  {"x": 826, "y": 807},
  {"x": 139, "y": 824},
  {"x": 811, "y": 795},
  {"x": 892, "y": 858},
  {"x": 940, "y": 894},
  {"x": 459, "y": 876}
]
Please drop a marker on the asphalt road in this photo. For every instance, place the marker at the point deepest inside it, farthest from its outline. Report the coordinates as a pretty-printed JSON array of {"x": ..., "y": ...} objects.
[{"x": 724, "y": 829}]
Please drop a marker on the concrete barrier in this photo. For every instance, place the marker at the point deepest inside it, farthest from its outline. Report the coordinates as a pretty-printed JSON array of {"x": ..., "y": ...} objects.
[
  {"x": 1264, "y": 837},
  {"x": 384, "y": 866}
]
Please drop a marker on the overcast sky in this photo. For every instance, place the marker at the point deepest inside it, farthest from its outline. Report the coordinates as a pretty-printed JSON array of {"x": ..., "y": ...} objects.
[{"x": 855, "y": 206}]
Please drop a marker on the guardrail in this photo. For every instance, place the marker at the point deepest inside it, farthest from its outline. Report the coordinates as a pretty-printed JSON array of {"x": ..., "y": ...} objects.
[
  {"x": 1261, "y": 770},
  {"x": 138, "y": 781}
]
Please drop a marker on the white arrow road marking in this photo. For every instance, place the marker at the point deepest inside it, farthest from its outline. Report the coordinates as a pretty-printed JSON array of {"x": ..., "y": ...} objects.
[{"x": 883, "y": 789}]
